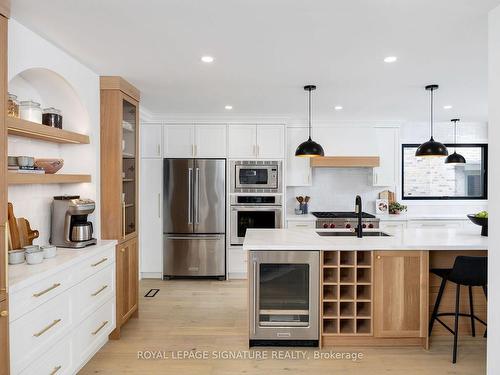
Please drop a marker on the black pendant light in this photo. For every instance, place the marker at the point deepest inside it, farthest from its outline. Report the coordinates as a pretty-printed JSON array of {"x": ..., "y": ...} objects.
[
  {"x": 309, "y": 148},
  {"x": 455, "y": 158},
  {"x": 432, "y": 148}
]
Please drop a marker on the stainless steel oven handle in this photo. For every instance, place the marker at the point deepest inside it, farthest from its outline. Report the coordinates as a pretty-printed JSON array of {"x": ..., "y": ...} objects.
[
  {"x": 254, "y": 328},
  {"x": 190, "y": 180},
  {"x": 256, "y": 208},
  {"x": 201, "y": 237}
]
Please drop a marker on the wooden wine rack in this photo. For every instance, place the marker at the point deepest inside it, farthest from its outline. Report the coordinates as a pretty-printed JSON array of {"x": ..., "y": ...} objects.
[{"x": 347, "y": 293}]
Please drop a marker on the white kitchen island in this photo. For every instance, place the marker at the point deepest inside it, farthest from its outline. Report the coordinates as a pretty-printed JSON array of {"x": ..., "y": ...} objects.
[{"x": 378, "y": 291}]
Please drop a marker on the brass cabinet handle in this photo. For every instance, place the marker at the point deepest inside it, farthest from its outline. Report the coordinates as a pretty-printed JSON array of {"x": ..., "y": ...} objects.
[
  {"x": 38, "y": 334},
  {"x": 4, "y": 313},
  {"x": 379, "y": 257},
  {"x": 99, "y": 291},
  {"x": 101, "y": 261},
  {"x": 56, "y": 285},
  {"x": 100, "y": 327},
  {"x": 57, "y": 368},
  {"x": 122, "y": 249}
]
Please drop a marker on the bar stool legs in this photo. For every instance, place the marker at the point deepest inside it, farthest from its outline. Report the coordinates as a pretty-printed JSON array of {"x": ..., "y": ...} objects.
[
  {"x": 436, "y": 305},
  {"x": 455, "y": 331},
  {"x": 485, "y": 290},
  {"x": 471, "y": 305}
]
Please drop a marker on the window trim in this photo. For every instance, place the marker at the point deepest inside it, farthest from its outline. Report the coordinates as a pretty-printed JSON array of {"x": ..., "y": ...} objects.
[{"x": 484, "y": 147}]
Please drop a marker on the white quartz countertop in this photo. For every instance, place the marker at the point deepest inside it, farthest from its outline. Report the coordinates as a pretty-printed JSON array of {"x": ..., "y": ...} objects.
[
  {"x": 406, "y": 217},
  {"x": 22, "y": 275},
  {"x": 401, "y": 239}
]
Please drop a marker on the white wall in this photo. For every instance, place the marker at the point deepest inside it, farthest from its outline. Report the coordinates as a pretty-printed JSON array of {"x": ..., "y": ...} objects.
[
  {"x": 28, "y": 50},
  {"x": 494, "y": 199}
]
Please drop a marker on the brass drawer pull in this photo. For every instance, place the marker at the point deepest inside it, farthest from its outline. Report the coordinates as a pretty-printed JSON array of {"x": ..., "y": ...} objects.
[
  {"x": 99, "y": 291},
  {"x": 57, "y": 368},
  {"x": 101, "y": 327},
  {"x": 38, "y": 334},
  {"x": 56, "y": 285},
  {"x": 100, "y": 262},
  {"x": 4, "y": 313}
]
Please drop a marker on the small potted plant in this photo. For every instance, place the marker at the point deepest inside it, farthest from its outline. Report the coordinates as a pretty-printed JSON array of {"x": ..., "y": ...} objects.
[{"x": 396, "y": 208}]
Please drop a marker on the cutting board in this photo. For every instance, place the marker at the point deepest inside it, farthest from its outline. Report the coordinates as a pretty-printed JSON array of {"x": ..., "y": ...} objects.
[
  {"x": 13, "y": 229},
  {"x": 26, "y": 234}
]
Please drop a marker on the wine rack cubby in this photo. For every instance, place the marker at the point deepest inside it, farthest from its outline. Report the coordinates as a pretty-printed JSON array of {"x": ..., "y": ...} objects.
[{"x": 346, "y": 285}]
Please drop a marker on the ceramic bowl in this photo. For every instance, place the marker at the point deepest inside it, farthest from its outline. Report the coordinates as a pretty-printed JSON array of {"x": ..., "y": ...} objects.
[
  {"x": 31, "y": 249},
  {"x": 34, "y": 258},
  {"x": 49, "y": 251},
  {"x": 481, "y": 221},
  {"x": 50, "y": 166},
  {"x": 25, "y": 161},
  {"x": 16, "y": 256}
]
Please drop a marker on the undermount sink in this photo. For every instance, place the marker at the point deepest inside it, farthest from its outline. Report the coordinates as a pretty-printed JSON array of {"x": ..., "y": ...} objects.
[{"x": 353, "y": 234}]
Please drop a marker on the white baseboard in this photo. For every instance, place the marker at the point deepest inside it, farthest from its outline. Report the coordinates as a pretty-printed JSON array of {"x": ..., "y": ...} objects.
[
  {"x": 237, "y": 276},
  {"x": 151, "y": 275}
]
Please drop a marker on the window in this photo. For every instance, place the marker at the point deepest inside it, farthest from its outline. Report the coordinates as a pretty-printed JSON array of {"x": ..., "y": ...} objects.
[{"x": 432, "y": 178}]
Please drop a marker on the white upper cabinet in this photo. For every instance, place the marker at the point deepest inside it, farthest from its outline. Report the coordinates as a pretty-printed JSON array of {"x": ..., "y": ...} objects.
[
  {"x": 346, "y": 141},
  {"x": 210, "y": 141},
  {"x": 178, "y": 141},
  {"x": 256, "y": 141},
  {"x": 242, "y": 141},
  {"x": 298, "y": 169},
  {"x": 387, "y": 139},
  {"x": 194, "y": 141},
  {"x": 151, "y": 141},
  {"x": 270, "y": 141}
]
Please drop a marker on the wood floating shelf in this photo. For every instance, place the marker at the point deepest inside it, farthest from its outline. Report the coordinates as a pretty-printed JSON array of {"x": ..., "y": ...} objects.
[
  {"x": 345, "y": 162},
  {"x": 14, "y": 178},
  {"x": 28, "y": 129}
]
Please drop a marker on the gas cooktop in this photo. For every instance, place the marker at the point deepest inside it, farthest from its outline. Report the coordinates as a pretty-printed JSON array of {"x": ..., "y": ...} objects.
[{"x": 341, "y": 215}]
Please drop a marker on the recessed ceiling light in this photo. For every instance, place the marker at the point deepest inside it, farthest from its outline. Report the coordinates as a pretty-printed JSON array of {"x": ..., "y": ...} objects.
[
  {"x": 207, "y": 59},
  {"x": 448, "y": 106},
  {"x": 228, "y": 107},
  {"x": 338, "y": 108},
  {"x": 390, "y": 59}
]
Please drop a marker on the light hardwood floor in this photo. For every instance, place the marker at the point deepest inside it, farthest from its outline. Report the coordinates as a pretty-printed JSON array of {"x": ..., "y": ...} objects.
[{"x": 212, "y": 315}]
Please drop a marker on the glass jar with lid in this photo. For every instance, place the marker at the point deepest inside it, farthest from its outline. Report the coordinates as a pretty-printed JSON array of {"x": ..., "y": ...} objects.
[
  {"x": 13, "y": 106},
  {"x": 31, "y": 111},
  {"x": 52, "y": 117}
]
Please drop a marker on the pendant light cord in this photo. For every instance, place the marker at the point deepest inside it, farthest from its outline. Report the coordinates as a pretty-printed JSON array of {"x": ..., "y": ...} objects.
[
  {"x": 432, "y": 113},
  {"x": 309, "y": 114}
]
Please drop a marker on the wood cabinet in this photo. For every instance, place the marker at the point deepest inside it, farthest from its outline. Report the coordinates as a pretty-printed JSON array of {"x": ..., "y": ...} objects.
[
  {"x": 4, "y": 337},
  {"x": 127, "y": 273},
  {"x": 151, "y": 236},
  {"x": 194, "y": 141},
  {"x": 151, "y": 140},
  {"x": 256, "y": 141},
  {"x": 401, "y": 293},
  {"x": 299, "y": 172},
  {"x": 387, "y": 139},
  {"x": 119, "y": 187}
]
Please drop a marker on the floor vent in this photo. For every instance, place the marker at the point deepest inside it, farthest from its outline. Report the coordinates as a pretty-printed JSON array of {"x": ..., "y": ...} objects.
[{"x": 151, "y": 293}]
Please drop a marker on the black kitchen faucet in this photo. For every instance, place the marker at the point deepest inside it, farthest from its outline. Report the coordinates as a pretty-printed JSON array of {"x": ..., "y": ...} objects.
[{"x": 359, "y": 211}]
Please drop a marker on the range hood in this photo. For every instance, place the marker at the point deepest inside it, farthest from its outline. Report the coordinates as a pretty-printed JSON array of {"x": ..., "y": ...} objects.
[
  {"x": 345, "y": 162},
  {"x": 348, "y": 147}
]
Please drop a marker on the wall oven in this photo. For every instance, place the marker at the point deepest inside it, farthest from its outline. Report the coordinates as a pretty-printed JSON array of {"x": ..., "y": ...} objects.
[
  {"x": 284, "y": 298},
  {"x": 255, "y": 176},
  {"x": 247, "y": 211}
]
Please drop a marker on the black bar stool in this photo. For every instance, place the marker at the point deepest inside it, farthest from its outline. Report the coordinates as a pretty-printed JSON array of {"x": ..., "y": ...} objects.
[{"x": 467, "y": 271}]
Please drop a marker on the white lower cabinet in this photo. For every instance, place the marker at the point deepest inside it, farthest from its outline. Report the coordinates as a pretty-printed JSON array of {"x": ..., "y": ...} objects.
[
  {"x": 435, "y": 224},
  {"x": 310, "y": 224},
  {"x": 392, "y": 225},
  {"x": 238, "y": 263},
  {"x": 57, "y": 334}
]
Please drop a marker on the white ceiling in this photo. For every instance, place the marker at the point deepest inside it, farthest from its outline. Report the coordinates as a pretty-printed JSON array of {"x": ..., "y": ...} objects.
[{"x": 265, "y": 51}]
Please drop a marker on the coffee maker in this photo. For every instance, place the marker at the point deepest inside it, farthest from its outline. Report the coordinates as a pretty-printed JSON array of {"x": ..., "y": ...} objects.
[{"x": 69, "y": 224}]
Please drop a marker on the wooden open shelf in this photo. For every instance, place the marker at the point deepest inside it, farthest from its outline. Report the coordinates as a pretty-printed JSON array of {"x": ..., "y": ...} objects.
[
  {"x": 28, "y": 129},
  {"x": 14, "y": 178},
  {"x": 347, "y": 304}
]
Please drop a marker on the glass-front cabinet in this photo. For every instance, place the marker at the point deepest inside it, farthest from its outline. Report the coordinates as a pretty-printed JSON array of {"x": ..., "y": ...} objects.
[{"x": 129, "y": 166}]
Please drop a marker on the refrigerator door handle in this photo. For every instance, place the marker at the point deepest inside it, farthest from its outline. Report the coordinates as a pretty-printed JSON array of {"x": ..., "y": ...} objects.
[
  {"x": 190, "y": 184},
  {"x": 197, "y": 196},
  {"x": 214, "y": 237}
]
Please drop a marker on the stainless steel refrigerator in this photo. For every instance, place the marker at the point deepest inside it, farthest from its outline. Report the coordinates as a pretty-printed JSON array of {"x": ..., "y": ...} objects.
[{"x": 194, "y": 219}]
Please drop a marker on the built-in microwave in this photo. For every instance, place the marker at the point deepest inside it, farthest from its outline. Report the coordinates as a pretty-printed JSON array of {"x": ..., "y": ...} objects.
[{"x": 255, "y": 176}]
